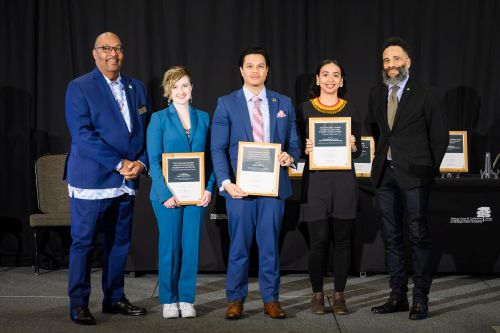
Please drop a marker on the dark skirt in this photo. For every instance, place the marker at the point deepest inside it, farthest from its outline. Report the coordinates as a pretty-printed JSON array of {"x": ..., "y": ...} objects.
[{"x": 328, "y": 194}]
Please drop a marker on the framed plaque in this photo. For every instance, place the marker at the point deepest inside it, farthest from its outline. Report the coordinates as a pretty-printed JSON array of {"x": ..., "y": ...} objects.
[
  {"x": 184, "y": 175},
  {"x": 363, "y": 164},
  {"x": 331, "y": 148},
  {"x": 258, "y": 168},
  {"x": 299, "y": 170},
  {"x": 456, "y": 157}
]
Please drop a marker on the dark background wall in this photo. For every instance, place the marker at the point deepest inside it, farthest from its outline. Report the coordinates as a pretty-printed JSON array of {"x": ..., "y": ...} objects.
[{"x": 46, "y": 43}]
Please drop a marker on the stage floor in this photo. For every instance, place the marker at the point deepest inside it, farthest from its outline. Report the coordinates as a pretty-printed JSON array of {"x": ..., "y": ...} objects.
[{"x": 458, "y": 303}]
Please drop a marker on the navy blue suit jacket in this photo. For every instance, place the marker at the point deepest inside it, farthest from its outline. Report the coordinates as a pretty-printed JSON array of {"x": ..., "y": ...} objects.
[
  {"x": 166, "y": 135},
  {"x": 231, "y": 124},
  {"x": 99, "y": 135}
]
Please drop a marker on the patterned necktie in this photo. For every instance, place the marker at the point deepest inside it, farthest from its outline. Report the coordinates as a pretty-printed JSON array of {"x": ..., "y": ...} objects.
[
  {"x": 119, "y": 94},
  {"x": 115, "y": 87},
  {"x": 392, "y": 106},
  {"x": 257, "y": 123}
]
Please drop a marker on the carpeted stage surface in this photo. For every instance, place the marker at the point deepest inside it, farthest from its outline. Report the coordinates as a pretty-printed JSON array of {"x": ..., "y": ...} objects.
[{"x": 30, "y": 303}]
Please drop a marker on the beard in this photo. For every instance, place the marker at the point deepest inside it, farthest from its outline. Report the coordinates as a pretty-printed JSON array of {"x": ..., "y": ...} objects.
[{"x": 390, "y": 81}]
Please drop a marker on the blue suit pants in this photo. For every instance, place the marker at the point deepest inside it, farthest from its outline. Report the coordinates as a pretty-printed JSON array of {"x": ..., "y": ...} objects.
[
  {"x": 262, "y": 216},
  {"x": 114, "y": 217},
  {"x": 180, "y": 230}
]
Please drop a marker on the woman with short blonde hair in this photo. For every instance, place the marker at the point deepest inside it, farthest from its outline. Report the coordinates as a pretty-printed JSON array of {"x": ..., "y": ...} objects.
[{"x": 179, "y": 128}]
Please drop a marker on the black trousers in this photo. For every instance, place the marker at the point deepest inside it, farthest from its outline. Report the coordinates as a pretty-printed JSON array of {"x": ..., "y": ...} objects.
[
  {"x": 319, "y": 235},
  {"x": 394, "y": 204}
]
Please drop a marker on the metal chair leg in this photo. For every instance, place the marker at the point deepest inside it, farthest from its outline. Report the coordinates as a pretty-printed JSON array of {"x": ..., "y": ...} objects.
[{"x": 35, "y": 250}]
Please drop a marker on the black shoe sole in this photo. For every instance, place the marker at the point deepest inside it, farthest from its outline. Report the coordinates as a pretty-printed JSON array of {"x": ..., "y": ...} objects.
[
  {"x": 83, "y": 322},
  {"x": 414, "y": 317},
  {"x": 386, "y": 312},
  {"x": 108, "y": 311}
]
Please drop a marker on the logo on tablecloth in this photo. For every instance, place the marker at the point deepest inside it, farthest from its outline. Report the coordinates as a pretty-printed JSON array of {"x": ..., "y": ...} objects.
[{"x": 483, "y": 214}]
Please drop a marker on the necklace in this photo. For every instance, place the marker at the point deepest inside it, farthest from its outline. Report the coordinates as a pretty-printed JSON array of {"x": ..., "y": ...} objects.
[{"x": 331, "y": 109}]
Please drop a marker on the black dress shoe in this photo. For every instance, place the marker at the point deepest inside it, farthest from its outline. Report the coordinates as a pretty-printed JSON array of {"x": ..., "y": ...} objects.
[
  {"x": 124, "y": 307},
  {"x": 82, "y": 316},
  {"x": 392, "y": 305},
  {"x": 419, "y": 311}
]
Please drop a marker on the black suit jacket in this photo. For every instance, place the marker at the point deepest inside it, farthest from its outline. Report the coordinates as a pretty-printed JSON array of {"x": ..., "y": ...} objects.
[{"x": 418, "y": 139}]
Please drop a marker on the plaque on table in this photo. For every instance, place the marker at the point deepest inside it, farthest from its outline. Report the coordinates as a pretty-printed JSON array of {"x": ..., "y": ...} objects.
[
  {"x": 455, "y": 159},
  {"x": 299, "y": 170},
  {"x": 184, "y": 175},
  {"x": 258, "y": 168},
  {"x": 363, "y": 164},
  {"x": 331, "y": 147}
]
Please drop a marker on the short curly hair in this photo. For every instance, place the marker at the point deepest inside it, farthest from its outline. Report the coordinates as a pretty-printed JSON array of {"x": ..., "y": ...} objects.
[{"x": 171, "y": 76}]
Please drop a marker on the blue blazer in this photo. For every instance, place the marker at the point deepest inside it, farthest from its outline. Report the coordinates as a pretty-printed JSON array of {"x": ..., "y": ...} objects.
[
  {"x": 165, "y": 134},
  {"x": 99, "y": 135},
  {"x": 231, "y": 124}
]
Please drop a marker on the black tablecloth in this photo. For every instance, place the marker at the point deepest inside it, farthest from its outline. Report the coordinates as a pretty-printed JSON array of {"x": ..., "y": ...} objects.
[{"x": 464, "y": 220}]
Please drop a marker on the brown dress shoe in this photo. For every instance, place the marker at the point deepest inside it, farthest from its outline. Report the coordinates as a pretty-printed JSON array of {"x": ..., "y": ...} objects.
[
  {"x": 339, "y": 307},
  {"x": 234, "y": 310},
  {"x": 273, "y": 310},
  {"x": 318, "y": 303}
]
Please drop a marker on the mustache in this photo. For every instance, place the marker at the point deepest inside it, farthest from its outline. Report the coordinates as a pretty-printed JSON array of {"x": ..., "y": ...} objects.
[{"x": 401, "y": 76}]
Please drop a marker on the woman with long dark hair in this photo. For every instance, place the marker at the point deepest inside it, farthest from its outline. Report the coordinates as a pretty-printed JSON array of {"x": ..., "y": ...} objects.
[{"x": 329, "y": 197}]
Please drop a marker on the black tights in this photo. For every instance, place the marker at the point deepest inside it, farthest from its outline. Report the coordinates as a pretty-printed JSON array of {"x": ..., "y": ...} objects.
[{"x": 319, "y": 236}]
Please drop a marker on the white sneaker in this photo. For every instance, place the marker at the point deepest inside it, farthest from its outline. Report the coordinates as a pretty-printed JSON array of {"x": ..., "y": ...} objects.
[
  {"x": 170, "y": 310},
  {"x": 187, "y": 310}
]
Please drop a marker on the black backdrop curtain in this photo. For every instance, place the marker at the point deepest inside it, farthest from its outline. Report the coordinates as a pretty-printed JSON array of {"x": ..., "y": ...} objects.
[{"x": 46, "y": 43}]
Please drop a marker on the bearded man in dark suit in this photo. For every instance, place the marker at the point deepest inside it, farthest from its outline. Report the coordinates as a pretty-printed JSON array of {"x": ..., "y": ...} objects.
[{"x": 412, "y": 142}]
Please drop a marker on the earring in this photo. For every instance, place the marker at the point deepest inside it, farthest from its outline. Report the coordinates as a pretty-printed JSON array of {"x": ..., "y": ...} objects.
[
  {"x": 191, "y": 100},
  {"x": 317, "y": 83},
  {"x": 341, "y": 85},
  {"x": 169, "y": 101}
]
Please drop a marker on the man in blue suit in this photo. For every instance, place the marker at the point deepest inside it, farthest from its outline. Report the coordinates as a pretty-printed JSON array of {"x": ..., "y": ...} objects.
[
  {"x": 253, "y": 113},
  {"x": 106, "y": 114}
]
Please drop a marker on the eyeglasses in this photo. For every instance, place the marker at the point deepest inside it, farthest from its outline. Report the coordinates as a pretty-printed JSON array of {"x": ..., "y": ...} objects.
[{"x": 108, "y": 49}]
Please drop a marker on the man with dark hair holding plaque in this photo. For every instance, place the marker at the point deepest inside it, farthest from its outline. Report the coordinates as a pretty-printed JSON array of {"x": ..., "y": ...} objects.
[
  {"x": 253, "y": 114},
  {"x": 413, "y": 140}
]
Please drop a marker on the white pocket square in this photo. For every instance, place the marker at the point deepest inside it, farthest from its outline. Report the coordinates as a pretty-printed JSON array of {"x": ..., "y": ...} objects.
[{"x": 281, "y": 114}]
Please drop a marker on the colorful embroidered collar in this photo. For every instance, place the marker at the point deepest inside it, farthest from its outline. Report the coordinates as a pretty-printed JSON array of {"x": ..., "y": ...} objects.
[{"x": 341, "y": 103}]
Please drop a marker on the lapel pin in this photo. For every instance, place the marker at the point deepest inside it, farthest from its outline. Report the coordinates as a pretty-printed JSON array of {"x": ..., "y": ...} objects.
[
  {"x": 407, "y": 89},
  {"x": 130, "y": 86},
  {"x": 274, "y": 100}
]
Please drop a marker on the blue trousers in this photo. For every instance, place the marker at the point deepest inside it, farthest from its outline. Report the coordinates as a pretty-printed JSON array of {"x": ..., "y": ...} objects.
[
  {"x": 114, "y": 218},
  {"x": 180, "y": 230},
  {"x": 262, "y": 216}
]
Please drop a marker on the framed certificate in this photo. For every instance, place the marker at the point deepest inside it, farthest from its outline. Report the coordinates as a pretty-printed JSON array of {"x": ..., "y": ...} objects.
[
  {"x": 456, "y": 157},
  {"x": 331, "y": 148},
  {"x": 363, "y": 164},
  {"x": 258, "y": 168},
  {"x": 298, "y": 171},
  {"x": 184, "y": 175}
]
